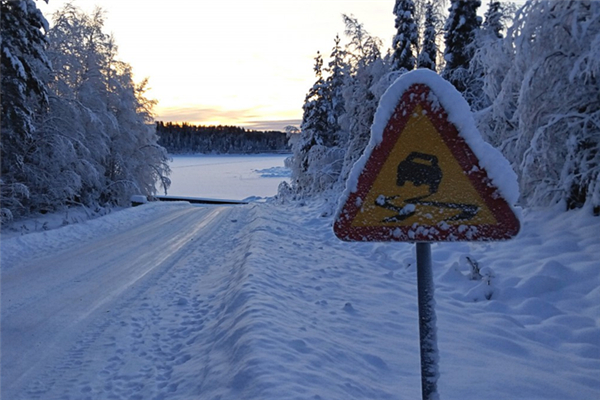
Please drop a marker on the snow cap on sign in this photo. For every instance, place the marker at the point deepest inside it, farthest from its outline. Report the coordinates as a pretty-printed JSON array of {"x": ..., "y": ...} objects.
[{"x": 459, "y": 113}]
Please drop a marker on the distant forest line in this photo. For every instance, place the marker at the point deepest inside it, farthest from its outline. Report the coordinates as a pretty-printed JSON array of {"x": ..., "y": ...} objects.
[{"x": 221, "y": 139}]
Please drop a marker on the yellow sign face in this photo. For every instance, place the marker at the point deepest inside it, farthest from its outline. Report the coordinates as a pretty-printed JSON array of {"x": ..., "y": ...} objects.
[{"x": 421, "y": 182}]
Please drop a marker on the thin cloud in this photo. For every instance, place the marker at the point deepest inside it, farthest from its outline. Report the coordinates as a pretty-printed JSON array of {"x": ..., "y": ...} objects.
[
  {"x": 199, "y": 114},
  {"x": 248, "y": 118}
]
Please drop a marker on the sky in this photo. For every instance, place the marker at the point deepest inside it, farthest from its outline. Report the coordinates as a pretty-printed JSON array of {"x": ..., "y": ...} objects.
[{"x": 232, "y": 62}]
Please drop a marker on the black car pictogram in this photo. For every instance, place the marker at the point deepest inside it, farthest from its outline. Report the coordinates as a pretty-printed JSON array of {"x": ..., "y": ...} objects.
[{"x": 420, "y": 169}]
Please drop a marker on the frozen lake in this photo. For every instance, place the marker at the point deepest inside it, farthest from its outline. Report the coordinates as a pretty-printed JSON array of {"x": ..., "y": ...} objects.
[{"x": 235, "y": 177}]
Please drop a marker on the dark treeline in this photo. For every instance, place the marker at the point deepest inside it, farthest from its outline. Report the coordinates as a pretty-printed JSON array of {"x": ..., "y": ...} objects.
[{"x": 186, "y": 138}]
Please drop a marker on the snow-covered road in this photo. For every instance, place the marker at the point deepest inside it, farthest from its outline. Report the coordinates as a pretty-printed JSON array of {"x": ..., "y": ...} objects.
[{"x": 53, "y": 302}]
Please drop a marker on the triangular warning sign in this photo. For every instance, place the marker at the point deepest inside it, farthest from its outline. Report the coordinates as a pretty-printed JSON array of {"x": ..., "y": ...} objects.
[{"x": 423, "y": 183}]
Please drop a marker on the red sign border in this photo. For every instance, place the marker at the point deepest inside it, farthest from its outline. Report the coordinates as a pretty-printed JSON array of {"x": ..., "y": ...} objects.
[{"x": 508, "y": 224}]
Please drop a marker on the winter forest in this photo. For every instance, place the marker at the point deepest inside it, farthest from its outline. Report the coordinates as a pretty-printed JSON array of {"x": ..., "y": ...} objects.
[
  {"x": 530, "y": 75},
  {"x": 76, "y": 129},
  {"x": 186, "y": 138}
]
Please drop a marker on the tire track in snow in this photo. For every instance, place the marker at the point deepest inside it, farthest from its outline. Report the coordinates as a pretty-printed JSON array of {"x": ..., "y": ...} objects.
[
  {"x": 99, "y": 282},
  {"x": 165, "y": 352}
]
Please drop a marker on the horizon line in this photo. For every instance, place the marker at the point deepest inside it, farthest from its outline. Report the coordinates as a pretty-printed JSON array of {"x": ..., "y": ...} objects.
[{"x": 264, "y": 125}]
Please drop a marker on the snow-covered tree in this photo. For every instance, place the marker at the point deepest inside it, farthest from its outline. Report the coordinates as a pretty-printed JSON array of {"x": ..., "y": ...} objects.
[
  {"x": 487, "y": 42},
  {"x": 367, "y": 68},
  {"x": 460, "y": 30},
  {"x": 362, "y": 49},
  {"x": 314, "y": 129},
  {"x": 405, "y": 42},
  {"x": 87, "y": 137},
  {"x": 335, "y": 81},
  {"x": 429, "y": 49},
  {"x": 136, "y": 162},
  {"x": 77, "y": 121},
  {"x": 343, "y": 104},
  {"x": 115, "y": 123},
  {"x": 438, "y": 12},
  {"x": 315, "y": 121},
  {"x": 23, "y": 61},
  {"x": 492, "y": 23},
  {"x": 545, "y": 115}
]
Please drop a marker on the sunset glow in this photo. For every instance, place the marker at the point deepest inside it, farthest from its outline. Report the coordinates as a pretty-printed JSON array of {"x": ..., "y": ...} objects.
[{"x": 232, "y": 62}]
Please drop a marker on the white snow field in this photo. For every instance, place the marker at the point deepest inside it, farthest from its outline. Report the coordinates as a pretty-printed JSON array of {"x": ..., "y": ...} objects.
[
  {"x": 233, "y": 176},
  {"x": 262, "y": 301}
]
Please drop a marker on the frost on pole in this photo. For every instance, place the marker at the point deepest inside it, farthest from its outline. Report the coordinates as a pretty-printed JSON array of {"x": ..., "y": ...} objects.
[{"x": 427, "y": 175}]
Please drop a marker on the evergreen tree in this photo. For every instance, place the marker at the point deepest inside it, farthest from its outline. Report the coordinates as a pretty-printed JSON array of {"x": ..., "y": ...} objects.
[
  {"x": 315, "y": 119},
  {"x": 492, "y": 23},
  {"x": 23, "y": 61},
  {"x": 428, "y": 56},
  {"x": 320, "y": 165},
  {"x": 461, "y": 27},
  {"x": 313, "y": 128},
  {"x": 405, "y": 41},
  {"x": 334, "y": 83},
  {"x": 219, "y": 139}
]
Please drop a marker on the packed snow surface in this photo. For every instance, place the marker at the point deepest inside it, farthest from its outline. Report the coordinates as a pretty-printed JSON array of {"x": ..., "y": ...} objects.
[{"x": 261, "y": 301}]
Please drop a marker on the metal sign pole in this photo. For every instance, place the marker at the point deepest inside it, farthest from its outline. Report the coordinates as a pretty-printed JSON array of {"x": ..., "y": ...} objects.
[{"x": 427, "y": 328}]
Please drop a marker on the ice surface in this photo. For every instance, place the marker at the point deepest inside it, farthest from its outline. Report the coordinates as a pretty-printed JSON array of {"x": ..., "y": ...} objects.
[{"x": 227, "y": 176}]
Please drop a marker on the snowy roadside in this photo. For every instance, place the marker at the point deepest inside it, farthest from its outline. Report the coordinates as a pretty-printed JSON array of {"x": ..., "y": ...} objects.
[
  {"x": 46, "y": 222},
  {"x": 528, "y": 328},
  {"x": 271, "y": 305}
]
